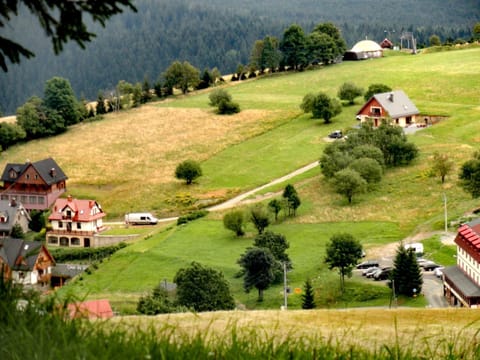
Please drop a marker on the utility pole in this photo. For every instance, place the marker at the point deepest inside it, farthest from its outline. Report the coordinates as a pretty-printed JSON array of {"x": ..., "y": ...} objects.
[
  {"x": 445, "y": 211},
  {"x": 285, "y": 297}
]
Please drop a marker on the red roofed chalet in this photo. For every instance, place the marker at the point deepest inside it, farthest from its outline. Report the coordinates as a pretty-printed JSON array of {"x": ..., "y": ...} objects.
[
  {"x": 462, "y": 282},
  {"x": 75, "y": 223}
]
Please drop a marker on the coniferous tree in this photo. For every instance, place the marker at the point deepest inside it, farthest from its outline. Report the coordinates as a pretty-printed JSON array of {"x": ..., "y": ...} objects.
[
  {"x": 308, "y": 296},
  {"x": 101, "y": 109},
  {"x": 406, "y": 275}
]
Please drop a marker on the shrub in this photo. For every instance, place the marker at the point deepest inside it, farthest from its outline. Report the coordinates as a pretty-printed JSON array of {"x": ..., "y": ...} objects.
[
  {"x": 234, "y": 221},
  {"x": 228, "y": 108},
  {"x": 191, "y": 216}
]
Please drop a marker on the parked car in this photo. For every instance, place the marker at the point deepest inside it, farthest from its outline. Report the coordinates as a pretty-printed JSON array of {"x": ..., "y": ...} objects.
[
  {"x": 372, "y": 273},
  {"x": 369, "y": 271},
  {"x": 367, "y": 264},
  {"x": 429, "y": 266},
  {"x": 337, "y": 134},
  {"x": 438, "y": 272},
  {"x": 383, "y": 274}
]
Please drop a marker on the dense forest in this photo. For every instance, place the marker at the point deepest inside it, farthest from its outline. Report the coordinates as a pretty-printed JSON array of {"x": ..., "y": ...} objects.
[{"x": 213, "y": 33}]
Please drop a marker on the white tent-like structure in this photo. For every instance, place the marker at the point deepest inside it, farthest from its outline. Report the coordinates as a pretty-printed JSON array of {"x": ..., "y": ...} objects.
[{"x": 365, "y": 49}]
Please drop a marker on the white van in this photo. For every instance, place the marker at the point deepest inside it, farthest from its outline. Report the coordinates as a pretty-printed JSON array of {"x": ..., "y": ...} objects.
[{"x": 140, "y": 219}]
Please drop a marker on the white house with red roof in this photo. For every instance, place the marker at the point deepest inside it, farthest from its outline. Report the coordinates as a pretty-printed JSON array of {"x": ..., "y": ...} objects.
[
  {"x": 75, "y": 223},
  {"x": 462, "y": 282},
  {"x": 394, "y": 106}
]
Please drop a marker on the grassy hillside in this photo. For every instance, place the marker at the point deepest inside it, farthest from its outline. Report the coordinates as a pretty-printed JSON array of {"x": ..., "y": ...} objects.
[
  {"x": 269, "y": 138},
  {"x": 127, "y": 160}
]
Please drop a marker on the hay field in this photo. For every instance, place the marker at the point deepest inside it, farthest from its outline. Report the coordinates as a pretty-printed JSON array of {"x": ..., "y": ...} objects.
[
  {"x": 132, "y": 155},
  {"x": 419, "y": 329}
]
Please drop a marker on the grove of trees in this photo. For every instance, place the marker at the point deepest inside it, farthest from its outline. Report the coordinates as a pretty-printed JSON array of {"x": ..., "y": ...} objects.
[{"x": 355, "y": 165}]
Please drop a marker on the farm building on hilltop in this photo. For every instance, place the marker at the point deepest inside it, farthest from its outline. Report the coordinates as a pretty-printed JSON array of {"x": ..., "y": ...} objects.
[
  {"x": 462, "y": 282},
  {"x": 36, "y": 185},
  {"x": 386, "y": 44},
  {"x": 393, "y": 105},
  {"x": 365, "y": 49}
]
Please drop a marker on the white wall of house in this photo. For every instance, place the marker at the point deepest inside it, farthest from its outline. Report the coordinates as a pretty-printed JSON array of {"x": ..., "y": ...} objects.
[
  {"x": 77, "y": 226},
  {"x": 469, "y": 265},
  {"x": 25, "y": 277}
]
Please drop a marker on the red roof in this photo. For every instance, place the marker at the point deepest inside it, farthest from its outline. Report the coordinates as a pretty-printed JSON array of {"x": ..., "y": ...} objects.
[
  {"x": 81, "y": 209},
  {"x": 470, "y": 235},
  {"x": 91, "y": 309}
]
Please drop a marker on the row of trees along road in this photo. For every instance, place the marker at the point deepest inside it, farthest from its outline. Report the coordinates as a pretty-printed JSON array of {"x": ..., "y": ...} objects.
[{"x": 236, "y": 220}]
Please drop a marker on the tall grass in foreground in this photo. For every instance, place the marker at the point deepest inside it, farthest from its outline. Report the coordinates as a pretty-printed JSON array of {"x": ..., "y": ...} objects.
[{"x": 31, "y": 328}]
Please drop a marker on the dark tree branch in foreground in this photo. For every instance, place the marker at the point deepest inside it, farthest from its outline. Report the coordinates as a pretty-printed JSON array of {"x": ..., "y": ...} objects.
[{"x": 61, "y": 20}]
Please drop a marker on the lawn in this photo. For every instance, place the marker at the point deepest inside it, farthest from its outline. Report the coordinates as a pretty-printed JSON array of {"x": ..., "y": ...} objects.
[{"x": 159, "y": 257}]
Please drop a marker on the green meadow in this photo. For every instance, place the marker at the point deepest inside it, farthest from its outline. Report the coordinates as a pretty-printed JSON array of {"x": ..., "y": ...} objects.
[{"x": 248, "y": 154}]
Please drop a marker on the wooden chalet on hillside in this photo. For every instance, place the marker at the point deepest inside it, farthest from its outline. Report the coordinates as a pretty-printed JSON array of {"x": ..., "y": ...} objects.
[
  {"x": 394, "y": 106},
  {"x": 462, "y": 282},
  {"x": 75, "y": 223},
  {"x": 25, "y": 262},
  {"x": 35, "y": 185}
]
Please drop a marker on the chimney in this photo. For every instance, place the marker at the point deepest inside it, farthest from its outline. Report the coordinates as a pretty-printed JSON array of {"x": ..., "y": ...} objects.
[
  {"x": 13, "y": 202},
  {"x": 390, "y": 97},
  {"x": 53, "y": 172},
  {"x": 69, "y": 198}
]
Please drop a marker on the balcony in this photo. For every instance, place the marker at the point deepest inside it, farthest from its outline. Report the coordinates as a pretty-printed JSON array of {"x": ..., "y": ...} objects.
[{"x": 71, "y": 232}]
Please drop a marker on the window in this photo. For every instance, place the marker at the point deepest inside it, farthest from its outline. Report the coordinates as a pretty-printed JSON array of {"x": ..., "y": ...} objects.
[
  {"x": 4, "y": 197},
  {"x": 41, "y": 200},
  {"x": 32, "y": 199},
  {"x": 69, "y": 214},
  {"x": 63, "y": 241},
  {"x": 79, "y": 225},
  {"x": 60, "y": 224},
  {"x": 376, "y": 111},
  {"x": 27, "y": 176},
  {"x": 52, "y": 240},
  {"x": 23, "y": 199},
  {"x": 75, "y": 241}
]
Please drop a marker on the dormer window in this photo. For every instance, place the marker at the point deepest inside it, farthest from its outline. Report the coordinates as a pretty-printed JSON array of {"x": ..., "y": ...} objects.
[
  {"x": 12, "y": 174},
  {"x": 3, "y": 219}
]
